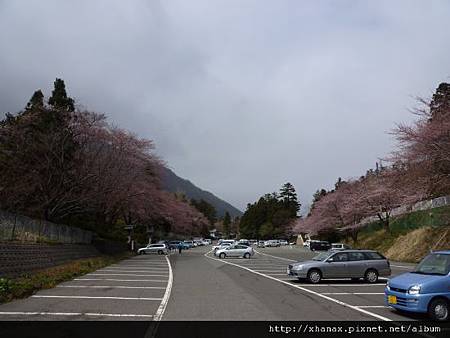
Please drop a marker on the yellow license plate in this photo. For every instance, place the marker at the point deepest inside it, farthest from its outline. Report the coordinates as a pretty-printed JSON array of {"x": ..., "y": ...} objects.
[{"x": 392, "y": 299}]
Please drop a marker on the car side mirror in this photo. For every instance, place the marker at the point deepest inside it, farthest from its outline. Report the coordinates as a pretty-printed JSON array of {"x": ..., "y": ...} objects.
[{"x": 330, "y": 260}]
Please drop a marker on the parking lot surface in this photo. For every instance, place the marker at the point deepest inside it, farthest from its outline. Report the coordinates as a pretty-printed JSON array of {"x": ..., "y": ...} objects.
[
  {"x": 196, "y": 285},
  {"x": 133, "y": 289}
]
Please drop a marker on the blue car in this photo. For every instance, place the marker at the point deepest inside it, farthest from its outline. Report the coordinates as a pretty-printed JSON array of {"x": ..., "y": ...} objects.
[{"x": 425, "y": 290}]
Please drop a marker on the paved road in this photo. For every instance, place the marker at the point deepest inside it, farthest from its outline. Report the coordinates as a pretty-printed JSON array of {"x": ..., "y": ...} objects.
[
  {"x": 207, "y": 288},
  {"x": 134, "y": 289}
]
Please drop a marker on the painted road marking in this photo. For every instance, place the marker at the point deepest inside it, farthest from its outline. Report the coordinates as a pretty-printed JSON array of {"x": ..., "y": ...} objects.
[
  {"x": 165, "y": 300},
  {"x": 112, "y": 287},
  {"x": 373, "y": 306},
  {"x": 376, "y": 284},
  {"x": 304, "y": 289},
  {"x": 95, "y": 297},
  {"x": 403, "y": 267},
  {"x": 352, "y": 293},
  {"x": 138, "y": 271},
  {"x": 285, "y": 259},
  {"x": 124, "y": 280},
  {"x": 123, "y": 274},
  {"x": 75, "y": 314}
]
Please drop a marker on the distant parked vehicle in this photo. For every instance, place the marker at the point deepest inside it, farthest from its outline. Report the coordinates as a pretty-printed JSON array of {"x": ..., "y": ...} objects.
[
  {"x": 173, "y": 245},
  {"x": 261, "y": 244},
  {"x": 244, "y": 242},
  {"x": 190, "y": 244},
  {"x": 339, "y": 246},
  {"x": 426, "y": 289},
  {"x": 354, "y": 264},
  {"x": 236, "y": 250},
  {"x": 308, "y": 242},
  {"x": 198, "y": 242},
  {"x": 224, "y": 243},
  {"x": 160, "y": 249},
  {"x": 272, "y": 243},
  {"x": 283, "y": 242},
  {"x": 319, "y": 246}
]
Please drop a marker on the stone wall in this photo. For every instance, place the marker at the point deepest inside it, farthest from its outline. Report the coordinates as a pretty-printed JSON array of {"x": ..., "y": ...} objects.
[
  {"x": 21, "y": 228},
  {"x": 20, "y": 258}
]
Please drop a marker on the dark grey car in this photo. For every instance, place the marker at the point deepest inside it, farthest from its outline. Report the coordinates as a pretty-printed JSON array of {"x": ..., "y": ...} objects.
[{"x": 354, "y": 264}]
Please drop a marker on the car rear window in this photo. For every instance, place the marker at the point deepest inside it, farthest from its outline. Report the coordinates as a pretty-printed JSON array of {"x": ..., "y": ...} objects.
[{"x": 373, "y": 255}]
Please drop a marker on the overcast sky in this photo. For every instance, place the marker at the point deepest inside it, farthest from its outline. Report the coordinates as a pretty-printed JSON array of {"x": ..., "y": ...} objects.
[{"x": 239, "y": 96}]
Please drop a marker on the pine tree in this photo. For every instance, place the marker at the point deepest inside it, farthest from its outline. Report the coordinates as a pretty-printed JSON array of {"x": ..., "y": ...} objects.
[
  {"x": 36, "y": 102},
  {"x": 288, "y": 197},
  {"x": 59, "y": 99},
  {"x": 226, "y": 224}
]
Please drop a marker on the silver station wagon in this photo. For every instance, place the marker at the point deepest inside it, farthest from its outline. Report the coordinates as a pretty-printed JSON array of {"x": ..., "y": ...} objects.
[{"x": 354, "y": 264}]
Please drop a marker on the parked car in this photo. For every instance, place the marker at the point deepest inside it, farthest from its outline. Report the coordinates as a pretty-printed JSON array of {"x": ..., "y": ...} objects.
[
  {"x": 307, "y": 243},
  {"x": 223, "y": 241},
  {"x": 206, "y": 242},
  {"x": 222, "y": 246},
  {"x": 272, "y": 243},
  {"x": 173, "y": 245},
  {"x": 236, "y": 250},
  {"x": 424, "y": 290},
  {"x": 160, "y": 249},
  {"x": 319, "y": 246},
  {"x": 339, "y": 246},
  {"x": 190, "y": 244},
  {"x": 354, "y": 264},
  {"x": 283, "y": 242},
  {"x": 244, "y": 242},
  {"x": 261, "y": 244},
  {"x": 198, "y": 242}
]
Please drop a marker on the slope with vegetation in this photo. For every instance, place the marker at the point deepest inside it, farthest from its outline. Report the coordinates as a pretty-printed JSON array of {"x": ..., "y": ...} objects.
[
  {"x": 418, "y": 169},
  {"x": 70, "y": 166}
]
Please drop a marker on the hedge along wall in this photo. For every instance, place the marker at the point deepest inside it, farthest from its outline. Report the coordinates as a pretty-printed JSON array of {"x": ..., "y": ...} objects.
[
  {"x": 21, "y": 228},
  {"x": 25, "y": 258}
]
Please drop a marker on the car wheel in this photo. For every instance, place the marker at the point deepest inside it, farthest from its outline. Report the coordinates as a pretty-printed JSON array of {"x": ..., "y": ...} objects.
[
  {"x": 222, "y": 255},
  {"x": 371, "y": 276},
  {"x": 160, "y": 252},
  {"x": 438, "y": 309},
  {"x": 247, "y": 255},
  {"x": 314, "y": 276}
]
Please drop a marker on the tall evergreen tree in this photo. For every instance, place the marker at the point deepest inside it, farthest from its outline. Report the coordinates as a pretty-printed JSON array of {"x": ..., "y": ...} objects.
[
  {"x": 59, "y": 99},
  {"x": 36, "y": 102},
  {"x": 288, "y": 197},
  {"x": 226, "y": 224}
]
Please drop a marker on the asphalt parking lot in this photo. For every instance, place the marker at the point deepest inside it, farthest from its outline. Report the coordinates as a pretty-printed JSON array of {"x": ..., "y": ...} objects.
[
  {"x": 134, "y": 289},
  {"x": 367, "y": 299},
  {"x": 196, "y": 285}
]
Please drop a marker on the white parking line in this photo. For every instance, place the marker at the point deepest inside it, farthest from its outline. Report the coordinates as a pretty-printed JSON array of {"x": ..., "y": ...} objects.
[
  {"x": 137, "y": 271},
  {"x": 111, "y": 287},
  {"x": 372, "y": 306},
  {"x": 95, "y": 297},
  {"x": 124, "y": 280},
  {"x": 124, "y": 274},
  {"x": 285, "y": 259},
  {"x": 376, "y": 284},
  {"x": 304, "y": 289},
  {"x": 165, "y": 300},
  {"x": 75, "y": 314},
  {"x": 352, "y": 293},
  {"x": 270, "y": 271},
  {"x": 403, "y": 267}
]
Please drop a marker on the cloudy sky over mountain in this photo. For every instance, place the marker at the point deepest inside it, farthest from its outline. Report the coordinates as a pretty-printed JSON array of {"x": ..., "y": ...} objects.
[{"x": 239, "y": 96}]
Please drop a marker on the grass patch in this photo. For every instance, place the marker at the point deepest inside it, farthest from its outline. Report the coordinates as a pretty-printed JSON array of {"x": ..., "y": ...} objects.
[
  {"x": 405, "y": 246},
  {"x": 26, "y": 285}
]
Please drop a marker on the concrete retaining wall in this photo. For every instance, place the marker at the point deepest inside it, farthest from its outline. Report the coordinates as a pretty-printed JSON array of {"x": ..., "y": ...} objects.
[
  {"x": 21, "y": 228},
  {"x": 21, "y": 258}
]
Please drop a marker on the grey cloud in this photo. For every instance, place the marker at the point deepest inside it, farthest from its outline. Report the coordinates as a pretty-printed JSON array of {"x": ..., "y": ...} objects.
[{"x": 239, "y": 96}]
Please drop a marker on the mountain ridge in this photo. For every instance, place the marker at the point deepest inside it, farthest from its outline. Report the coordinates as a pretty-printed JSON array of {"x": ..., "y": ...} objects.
[{"x": 173, "y": 183}]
